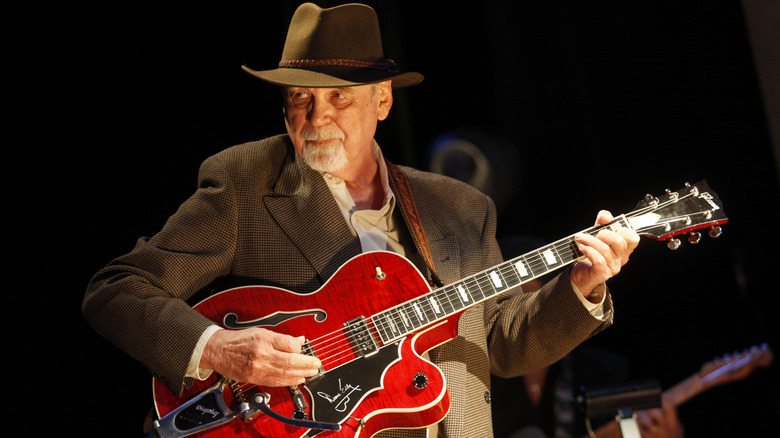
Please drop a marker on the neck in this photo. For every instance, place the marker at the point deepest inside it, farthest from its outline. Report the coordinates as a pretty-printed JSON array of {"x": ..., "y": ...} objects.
[
  {"x": 367, "y": 193},
  {"x": 363, "y": 179}
]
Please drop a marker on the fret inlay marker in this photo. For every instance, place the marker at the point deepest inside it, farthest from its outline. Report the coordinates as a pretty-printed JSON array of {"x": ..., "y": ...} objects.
[
  {"x": 463, "y": 294},
  {"x": 550, "y": 257},
  {"x": 435, "y": 305},
  {"x": 521, "y": 269},
  {"x": 417, "y": 309},
  {"x": 496, "y": 280},
  {"x": 405, "y": 318}
]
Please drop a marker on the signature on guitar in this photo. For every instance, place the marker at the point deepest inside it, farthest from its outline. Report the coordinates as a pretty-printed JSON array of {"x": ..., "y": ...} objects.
[{"x": 344, "y": 392}]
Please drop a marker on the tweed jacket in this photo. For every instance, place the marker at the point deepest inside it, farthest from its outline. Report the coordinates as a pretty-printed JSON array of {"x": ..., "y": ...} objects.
[{"x": 262, "y": 216}]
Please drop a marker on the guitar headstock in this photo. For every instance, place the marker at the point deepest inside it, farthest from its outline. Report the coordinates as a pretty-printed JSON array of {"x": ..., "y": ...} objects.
[
  {"x": 683, "y": 211},
  {"x": 735, "y": 366}
]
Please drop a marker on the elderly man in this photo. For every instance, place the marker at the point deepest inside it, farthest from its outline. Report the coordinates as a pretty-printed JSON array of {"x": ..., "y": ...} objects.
[{"x": 290, "y": 210}]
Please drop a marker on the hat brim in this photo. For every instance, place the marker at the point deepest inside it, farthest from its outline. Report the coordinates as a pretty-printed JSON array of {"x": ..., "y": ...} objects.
[{"x": 333, "y": 77}]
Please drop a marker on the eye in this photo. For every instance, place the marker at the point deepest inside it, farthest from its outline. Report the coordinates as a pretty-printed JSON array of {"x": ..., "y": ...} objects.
[
  {"x": 299, "y": 98},
  {"x": 339, "y": 99}
]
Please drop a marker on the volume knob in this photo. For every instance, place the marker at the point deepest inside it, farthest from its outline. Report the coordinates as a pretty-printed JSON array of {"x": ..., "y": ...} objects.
[{"x": 420, "y": 380}]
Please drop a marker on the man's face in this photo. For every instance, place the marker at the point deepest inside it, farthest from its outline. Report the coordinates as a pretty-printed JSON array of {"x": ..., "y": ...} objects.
[{"x": 333, "y": 127}]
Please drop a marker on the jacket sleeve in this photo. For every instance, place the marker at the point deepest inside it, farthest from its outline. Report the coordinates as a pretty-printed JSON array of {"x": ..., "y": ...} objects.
[
  {"x": 138, "y": 301},
  {"x": 527, "y": 331}
]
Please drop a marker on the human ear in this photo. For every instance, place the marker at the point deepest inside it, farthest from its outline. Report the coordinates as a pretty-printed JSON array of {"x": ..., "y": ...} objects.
[{"x": 384, "y": 99}]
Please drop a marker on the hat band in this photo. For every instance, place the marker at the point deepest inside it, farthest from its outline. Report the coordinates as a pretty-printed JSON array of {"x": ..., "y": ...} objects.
[{"x": 387, "y": 65}]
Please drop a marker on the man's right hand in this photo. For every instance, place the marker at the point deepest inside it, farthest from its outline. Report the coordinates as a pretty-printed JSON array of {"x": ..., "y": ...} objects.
[{"x": 259, "y": 356}]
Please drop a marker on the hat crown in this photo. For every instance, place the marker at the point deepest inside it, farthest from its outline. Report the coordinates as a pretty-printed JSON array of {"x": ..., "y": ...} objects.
[
  {"x": 335, "y": 47},
  {"x": 349, "y": 31}
]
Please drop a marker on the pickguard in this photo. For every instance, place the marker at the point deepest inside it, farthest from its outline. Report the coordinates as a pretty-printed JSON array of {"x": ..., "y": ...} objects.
[{"x": 337, "y": 393}]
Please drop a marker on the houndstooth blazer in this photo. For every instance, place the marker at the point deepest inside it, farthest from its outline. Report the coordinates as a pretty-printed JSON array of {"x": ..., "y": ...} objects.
[{"x": 261, "y": 216}]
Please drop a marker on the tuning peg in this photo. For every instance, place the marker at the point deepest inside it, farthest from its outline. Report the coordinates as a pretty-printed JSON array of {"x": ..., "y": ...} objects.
[
  {"x": 715, "y": 232},
  {"x": 694, "y": 190},
  {"x": 694, "y": 237},
  {"x": 673, "y": 244},
  {"x": 652, "y": 200}
]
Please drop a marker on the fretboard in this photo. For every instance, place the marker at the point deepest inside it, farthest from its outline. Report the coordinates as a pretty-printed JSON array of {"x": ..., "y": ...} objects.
[{"x": 443, "y": 302}]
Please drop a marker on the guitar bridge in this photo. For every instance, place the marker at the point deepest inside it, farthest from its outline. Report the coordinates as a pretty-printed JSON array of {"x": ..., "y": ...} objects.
[{"x": 360, "y": 337}]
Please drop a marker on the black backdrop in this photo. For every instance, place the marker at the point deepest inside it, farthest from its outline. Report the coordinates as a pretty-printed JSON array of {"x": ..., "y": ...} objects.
[{"x": 114, "y": 106}]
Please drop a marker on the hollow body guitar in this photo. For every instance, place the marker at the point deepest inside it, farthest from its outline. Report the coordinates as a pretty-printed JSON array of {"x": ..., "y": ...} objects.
[{"x": 370, "y": 325}]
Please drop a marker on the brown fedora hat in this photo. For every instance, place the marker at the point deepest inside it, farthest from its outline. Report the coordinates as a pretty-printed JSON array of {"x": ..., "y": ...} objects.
[{"x": 334, "y": 47}]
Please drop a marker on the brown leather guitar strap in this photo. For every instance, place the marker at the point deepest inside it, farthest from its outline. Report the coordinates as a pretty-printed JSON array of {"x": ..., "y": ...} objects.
[{"x": 403, "y": 194}]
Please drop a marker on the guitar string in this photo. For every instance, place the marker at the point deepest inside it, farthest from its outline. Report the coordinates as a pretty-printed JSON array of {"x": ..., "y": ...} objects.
[{"x": 533, "y": 260}]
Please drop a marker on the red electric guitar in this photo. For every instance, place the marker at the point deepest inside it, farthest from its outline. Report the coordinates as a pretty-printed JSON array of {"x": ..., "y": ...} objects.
[{"x": 370, "y": 325}]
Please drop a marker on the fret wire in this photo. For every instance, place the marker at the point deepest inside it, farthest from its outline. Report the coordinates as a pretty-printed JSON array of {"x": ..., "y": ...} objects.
[
  {"x": 470, "y": 282},
  {"x": 477, "y": 281},
  {"x": 486, "y": 283},
  {"x": 379, "y": 323},
  {"x": 500, "y": 273},
  {"x": 474, "y": 286},
  {"x": 412, "y": 315},
  {"x": 501, "y": 280},
  {"x": 399, "y": 320},
  {"x": 545, "y": 265},
  {"x": 444, "y": 304},
  {"x": 463, "y": 291},
  {"x": 427, "y": 308},
  {"x": 457, "y": 288},
  {"x": 419, "y": 311},
  {"x": 509, "y": 270},
  {"x": 448, "y": 303},
  {"x": 449, "y": 292}
]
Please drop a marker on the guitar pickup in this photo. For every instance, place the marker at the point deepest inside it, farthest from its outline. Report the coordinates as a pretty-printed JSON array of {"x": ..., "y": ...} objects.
[{"x": 360, "y": 337}]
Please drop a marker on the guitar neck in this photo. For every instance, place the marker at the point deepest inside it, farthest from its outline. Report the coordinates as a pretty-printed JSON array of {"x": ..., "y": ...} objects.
[
  {"x": 683, "y": 391},
  {"x": 446, "y": 301},
  {"x": 700, "y": 382}
]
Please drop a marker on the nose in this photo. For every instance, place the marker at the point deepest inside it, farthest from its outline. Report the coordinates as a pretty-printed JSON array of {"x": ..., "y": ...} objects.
[{"x": 320, "y": 112}]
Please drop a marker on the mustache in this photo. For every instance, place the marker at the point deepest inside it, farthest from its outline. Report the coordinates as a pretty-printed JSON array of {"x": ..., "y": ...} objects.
[{"x": 320, "y": 135}]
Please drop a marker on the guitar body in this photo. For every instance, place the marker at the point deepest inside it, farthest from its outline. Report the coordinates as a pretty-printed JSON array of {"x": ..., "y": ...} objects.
[{"x": 364, "y": 394}]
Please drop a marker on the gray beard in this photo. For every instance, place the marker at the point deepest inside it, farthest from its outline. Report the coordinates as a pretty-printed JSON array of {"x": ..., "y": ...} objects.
[{"x": 328, "y": 158}]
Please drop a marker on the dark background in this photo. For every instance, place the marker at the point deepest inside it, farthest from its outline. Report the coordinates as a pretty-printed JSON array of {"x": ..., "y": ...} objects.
[{"x": 113, "y": 106}]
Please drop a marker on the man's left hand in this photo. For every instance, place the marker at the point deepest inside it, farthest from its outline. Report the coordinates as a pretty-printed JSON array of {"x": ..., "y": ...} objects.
[{"x": 605, "y": 254}]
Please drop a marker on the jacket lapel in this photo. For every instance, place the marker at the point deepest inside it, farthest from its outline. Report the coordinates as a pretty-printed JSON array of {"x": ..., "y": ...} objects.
[
  {"x": 444, "y": 250},
  {"x": 304, "y": 208}
]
